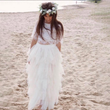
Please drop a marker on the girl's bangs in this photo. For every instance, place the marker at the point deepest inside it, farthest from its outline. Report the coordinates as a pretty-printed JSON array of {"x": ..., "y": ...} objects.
[{"x": 49, "y": 15}]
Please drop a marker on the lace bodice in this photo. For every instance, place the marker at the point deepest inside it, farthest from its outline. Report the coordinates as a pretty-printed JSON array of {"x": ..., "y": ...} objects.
[{"x": 46, "y": 35}]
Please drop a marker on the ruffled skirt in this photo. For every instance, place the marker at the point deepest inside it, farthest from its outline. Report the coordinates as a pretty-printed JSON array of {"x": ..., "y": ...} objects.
[{"x": 44, "y": 76}]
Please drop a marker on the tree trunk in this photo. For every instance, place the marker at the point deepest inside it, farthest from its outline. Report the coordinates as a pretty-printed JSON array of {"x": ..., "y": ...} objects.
[{"x": 95, "y": 1}]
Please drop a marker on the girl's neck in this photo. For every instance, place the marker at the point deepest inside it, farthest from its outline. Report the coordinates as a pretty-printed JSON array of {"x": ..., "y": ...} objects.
[{"x": 46, "y": 22}]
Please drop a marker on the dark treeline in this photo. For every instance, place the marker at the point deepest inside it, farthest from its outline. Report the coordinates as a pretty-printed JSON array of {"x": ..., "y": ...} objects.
[{"x": 95, "y": 0}]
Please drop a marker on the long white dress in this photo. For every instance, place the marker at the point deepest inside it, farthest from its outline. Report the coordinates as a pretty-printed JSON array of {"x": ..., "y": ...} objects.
[{"x": 44, "y": 71}]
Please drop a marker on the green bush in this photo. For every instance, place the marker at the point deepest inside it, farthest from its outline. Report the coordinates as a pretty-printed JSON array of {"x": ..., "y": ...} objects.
[{"x": 95, "y": 1}]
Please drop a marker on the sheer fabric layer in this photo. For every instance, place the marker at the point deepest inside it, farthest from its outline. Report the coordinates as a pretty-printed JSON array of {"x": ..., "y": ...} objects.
[{"x": 44, "y": 76}]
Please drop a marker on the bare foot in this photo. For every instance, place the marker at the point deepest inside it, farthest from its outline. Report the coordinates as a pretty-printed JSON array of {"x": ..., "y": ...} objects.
[{"x": 39, "y": 107}]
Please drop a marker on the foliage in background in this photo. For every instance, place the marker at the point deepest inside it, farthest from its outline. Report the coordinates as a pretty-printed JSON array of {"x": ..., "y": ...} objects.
[{"x": 95, "y": 1}]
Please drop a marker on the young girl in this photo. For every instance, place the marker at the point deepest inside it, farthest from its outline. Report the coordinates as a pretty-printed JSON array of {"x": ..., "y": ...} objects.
[{"x": 43, "y": 65}]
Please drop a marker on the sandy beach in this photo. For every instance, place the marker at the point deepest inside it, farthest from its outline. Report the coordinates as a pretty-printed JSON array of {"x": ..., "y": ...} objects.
[{"x": 85, "y": 51}]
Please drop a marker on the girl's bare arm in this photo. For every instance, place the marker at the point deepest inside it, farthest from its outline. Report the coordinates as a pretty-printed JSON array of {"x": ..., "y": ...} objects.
[
  {"x": 33, "y": 42},
  {"x": 59, "y": 46}
]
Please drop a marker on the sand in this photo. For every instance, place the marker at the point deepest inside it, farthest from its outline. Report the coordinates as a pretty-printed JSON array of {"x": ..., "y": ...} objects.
[{"x": 86, "y": 57}]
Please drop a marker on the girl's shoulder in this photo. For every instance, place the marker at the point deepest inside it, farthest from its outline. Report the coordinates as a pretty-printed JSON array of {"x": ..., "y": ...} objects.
[{"x": 34, "y": 34}]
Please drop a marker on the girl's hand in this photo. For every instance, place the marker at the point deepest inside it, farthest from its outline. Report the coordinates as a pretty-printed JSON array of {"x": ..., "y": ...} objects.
[
  {"x": 28, "y": 62},
  {"x": 59, "y": 46}
]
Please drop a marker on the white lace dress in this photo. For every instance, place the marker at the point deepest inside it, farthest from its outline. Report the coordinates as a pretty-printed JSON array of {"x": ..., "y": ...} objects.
[{"x": 44, "y": 71}]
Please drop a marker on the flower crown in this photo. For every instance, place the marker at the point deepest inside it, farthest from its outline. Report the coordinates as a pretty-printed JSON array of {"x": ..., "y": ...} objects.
[{"x": 49, "y": 11}]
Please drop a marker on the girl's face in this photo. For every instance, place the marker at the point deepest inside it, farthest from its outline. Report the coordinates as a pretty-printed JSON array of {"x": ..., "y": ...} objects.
[{"x": 48, "y": 18}]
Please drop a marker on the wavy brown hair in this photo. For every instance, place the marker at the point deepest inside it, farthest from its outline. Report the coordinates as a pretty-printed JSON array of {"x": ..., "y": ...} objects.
[{"x": 54, "y": 23}]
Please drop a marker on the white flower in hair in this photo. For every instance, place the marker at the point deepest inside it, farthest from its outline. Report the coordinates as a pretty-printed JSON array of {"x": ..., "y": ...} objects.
[
  {"x": 48, "y": 11},
  {"x": 40, "y": 11},
  {"x": 54, "y": 11},
  {"x": 53, "y": 8}
]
